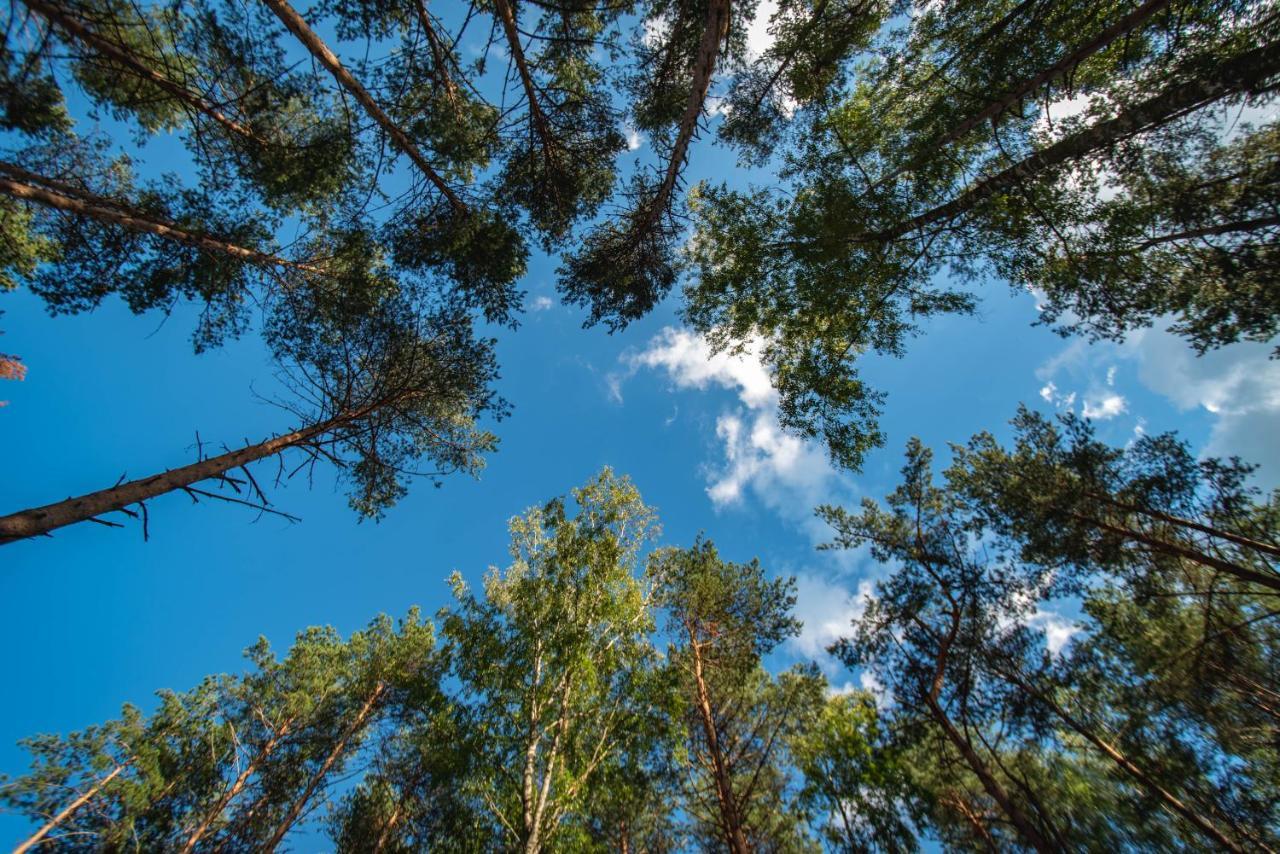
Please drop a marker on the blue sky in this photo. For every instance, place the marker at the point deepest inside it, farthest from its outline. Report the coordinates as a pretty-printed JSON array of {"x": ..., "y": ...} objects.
[{"x": 95, "y": 617}]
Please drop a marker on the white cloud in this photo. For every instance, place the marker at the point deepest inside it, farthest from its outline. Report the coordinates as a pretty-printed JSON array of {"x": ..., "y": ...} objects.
[
  {"x": 759, "y": 39},
  {"x": 689, "y": 361},
  {"x": 1051, "y": 395},
  {"x": 634, "y": 139},
  {"x": 827, "y": 611},
  {"x": 541, "y": 303},
  {"x": 1058, "y": 630},
  {"x": 788, "y": 474},
  {"x": 1105, "y": 407},
  {"x": 1239, "y": 385},
  {"x": 655, "y": 31}
]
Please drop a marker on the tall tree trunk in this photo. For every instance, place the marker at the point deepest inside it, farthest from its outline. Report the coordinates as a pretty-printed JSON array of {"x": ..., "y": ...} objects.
[
  {"x": 35, "y": 838},
  {"x": 1025, "y": 827},
  {"x": 115, "y": 53},
  {"x": 1016, "y": 816},
  {"x": 508, "y": 18},
  {"x": 357, "y": 723},
  {"x": 1238, "y": 74},
  {"x": 41, "y": 520},
  {"x": 326, "y": 57},
  {"x": 218, "y": 808},
  {"x": 1230, "y": 536},
  {"x": 730, "y": 818},
  {"x": 30, "y": 187},
  {"x": 384, "y": 835},
  {"x": 714, "y": 32},
  {"x": 1243, "y": 573},
  {"x": 1175, "y": 804}
]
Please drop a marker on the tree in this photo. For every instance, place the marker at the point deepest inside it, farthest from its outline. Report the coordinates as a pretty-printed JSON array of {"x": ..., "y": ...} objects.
[
  {"x": 855, "y": 783},
  {"x": 385, "y": 390},
  {"x": 933, "y": 160},
  {"x": 192, "y": 67},
  {"x": 948, "y": 633},
  {"x": 553, "y": 664},
  {"x": 722, "y": 618},
  {"x": 1147, "y": 509},
  {"x": 234, "y": 763},
  {"x": 626, "y": 265}
]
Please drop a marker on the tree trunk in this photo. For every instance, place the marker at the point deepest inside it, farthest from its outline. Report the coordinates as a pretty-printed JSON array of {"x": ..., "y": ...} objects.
[
  {"x": 115, "y": 53},
  {"x": 1238, "y": 74},
  {"x": 35, "y": 838},
  {"x": 384, "y": 835},
  {"x": 1016, "y": 816},
  {"x": 317, "y": 778},
  {"x": 29, "y": 187},
  {"x": 236, "y": 787},
  {"x": 1175, "y": 804},
  {"x": 1243, "y": 573},
  {"x": 41, "y": 520},
  {"x": 714, "y": 33},
  {"x": 1019, "y": 819},
  {"x": 730, "y": 820},
  {"x": 1230, "y": 536},
  {"x": 507, "y": 16},
  {"x": 326, "y": 57}
]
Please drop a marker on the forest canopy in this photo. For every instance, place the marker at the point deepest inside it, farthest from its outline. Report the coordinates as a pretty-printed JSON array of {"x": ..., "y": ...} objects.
[{"x": 364, "y": 191}]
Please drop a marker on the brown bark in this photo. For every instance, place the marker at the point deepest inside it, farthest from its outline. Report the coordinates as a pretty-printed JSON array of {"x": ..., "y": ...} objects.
[
  {"x": 975, "y": 820},
  {"x": 29, "y": 187},
  {"x": 115, "y": 53},
  {"x": 357, "y": 723},
  {"x": 326, "y": 57},
  {"x": 35, "y": 838},
  {"x": 384, "y": 835},
  {"x": 439, "y": 55},
  {"x": 1175, "y": 804},
  {"x": 1016, "y": 816},
  {"x": 507, "y": 16},
  {"x": 1127, "y": 24},
  {"x": 1241, "y": 73},
  {"x": 730, "y": 816},
  {"x": 1230, "y": 536},
  {"x": 41, "y": 520},
  {"x": 1212, "y": 231},
  {"x": 236, "y": 787},
  {"x": 1243, "y": 573},
  {"x": 714, "y": 33}
]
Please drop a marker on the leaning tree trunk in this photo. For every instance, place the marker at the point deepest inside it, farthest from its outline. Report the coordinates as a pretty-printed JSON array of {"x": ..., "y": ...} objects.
[
  {"x": 35, "y": 838},
  {"x": 1201, "y": 823},
  {"x": 41, "y": 520},
  {"x": 1021, "y": 822},
  {"x": 236, "y": 787},
  {"x": 1243, "y": 573},
  {"x": 357, "y": 723},
  {"x": 1239, "y": 74},
  {"x": 714, "y": 32},
  {"x": 326, "y": 57},
  {"x": 730, "y": 815},
  {"x": 37, "y": 189}
]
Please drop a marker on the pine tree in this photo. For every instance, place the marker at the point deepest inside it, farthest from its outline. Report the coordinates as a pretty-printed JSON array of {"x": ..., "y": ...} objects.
[{"x": 938, "y": 157}]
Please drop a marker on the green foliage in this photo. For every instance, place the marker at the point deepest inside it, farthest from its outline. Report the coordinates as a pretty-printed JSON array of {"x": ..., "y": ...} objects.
[
  {"x": 1143, "y": 731},
  {"x": 936, "y": 156}
]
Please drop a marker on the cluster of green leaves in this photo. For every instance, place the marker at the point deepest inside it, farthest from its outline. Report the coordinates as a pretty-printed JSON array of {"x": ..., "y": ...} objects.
[
  {"x": 1154, "y": 728},
  {"x": 928, "y": 155}
]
